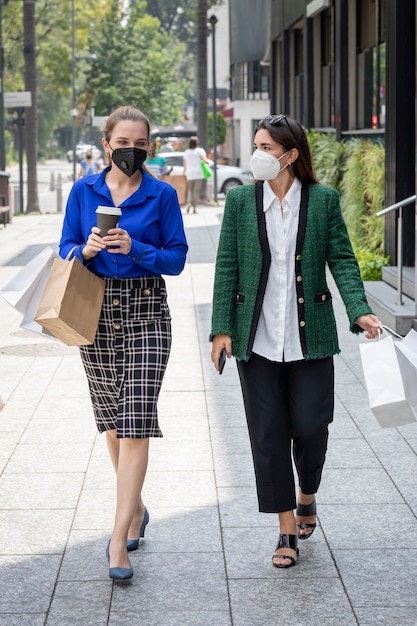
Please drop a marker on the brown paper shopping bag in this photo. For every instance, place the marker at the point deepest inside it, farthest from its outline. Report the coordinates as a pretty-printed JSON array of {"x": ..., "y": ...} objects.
[
  {"x": 71, "y": 303},
  {"x": 179, "y": 182}
]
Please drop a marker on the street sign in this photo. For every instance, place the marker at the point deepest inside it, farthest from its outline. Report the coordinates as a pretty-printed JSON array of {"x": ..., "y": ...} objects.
[
  {"x": 99, "y": 120},
  {"x": 15, "y": 99}
]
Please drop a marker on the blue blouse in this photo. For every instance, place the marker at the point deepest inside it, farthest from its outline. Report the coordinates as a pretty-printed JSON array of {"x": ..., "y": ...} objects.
[{"x": 152, "y": 217}]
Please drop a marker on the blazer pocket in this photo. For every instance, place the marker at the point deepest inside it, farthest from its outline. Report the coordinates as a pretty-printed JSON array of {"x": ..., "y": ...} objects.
[
  {"x": 324, "y": 296},
  {"x": 325, "y": 329}
]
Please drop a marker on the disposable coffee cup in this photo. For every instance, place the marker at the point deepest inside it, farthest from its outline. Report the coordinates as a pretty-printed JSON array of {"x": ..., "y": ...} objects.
[{"x": 107, "y": 218}]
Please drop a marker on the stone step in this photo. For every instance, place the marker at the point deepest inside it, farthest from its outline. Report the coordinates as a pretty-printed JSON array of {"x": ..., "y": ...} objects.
[
  {"x": 390, "y": 274},
  {"x": 383, "y": 300}
]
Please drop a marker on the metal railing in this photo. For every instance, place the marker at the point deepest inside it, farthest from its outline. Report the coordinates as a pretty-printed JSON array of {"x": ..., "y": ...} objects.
[{"x": 394, "y": 207}]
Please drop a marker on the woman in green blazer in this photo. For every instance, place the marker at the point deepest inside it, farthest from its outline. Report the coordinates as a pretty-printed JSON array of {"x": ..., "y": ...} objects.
[{"x": 272, "y": 310}]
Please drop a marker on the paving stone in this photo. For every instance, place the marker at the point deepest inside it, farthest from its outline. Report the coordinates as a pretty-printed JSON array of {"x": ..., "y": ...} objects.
[
  {"x": 372, "y": 525},
  {"x": 176, "y": 582},
  {"x": 33, "y": 491},
  {"x": 172, "y": 618},
  {"x": 27, "y": 585},
  {"x": 287, "y": 598},
  {"x": 34, "y": 531},
  {"x": 364, "y": 573},
  {"x": 86, "y": 602}
]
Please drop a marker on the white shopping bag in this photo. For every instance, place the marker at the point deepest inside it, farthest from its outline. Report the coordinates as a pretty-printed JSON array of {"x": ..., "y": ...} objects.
[
  {"x": 19, "y": 290},
  {"x": 386, "y": 393},
  {"x": 407, "y": 359},
  {"x": 24, "y": 291},
  {"x": 28, "y": 321}
]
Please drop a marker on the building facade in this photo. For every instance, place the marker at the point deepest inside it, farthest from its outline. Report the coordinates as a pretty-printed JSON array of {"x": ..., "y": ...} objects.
[{"x": 342, "y": 66}]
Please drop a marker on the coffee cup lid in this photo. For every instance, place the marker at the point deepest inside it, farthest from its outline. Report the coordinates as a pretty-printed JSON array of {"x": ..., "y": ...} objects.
[{"x": 109, "y": 210}]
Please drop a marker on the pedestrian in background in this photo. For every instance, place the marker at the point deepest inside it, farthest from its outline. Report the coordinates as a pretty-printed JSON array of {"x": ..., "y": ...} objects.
[
  {"x": 193, "y": 157},
  {"x": 272, "y": 310},
  {"x": 166, "y": 146},
  {"x": 155, "y": 163},
  {"x": 126, "y": 363},
  {"x": 88, "y": 166}
]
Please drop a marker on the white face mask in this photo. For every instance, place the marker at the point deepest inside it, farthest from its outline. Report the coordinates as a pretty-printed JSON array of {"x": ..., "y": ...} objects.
[{"x": 265, "y": 166}]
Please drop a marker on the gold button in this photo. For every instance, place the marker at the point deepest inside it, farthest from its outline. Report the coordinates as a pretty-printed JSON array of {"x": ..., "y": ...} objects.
[
  {"x": 116, "y": 301},
  {"x": 117, "y": 326},
  {"x": 302, "y": 324},
  {"x": 300, "y": 300},
  {"x": 323, "y": 297},
  {"x": 146, "y": 292},
  {"x": 298, "y": 257},
  {"x": 299, "y": 279}
]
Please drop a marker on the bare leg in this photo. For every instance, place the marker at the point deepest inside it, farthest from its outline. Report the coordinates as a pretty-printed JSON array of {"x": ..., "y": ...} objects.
[
  {"x": 113, "y": 445},
  {"x": 130, "y": 458},
  {"x": 287, "y": 526}
]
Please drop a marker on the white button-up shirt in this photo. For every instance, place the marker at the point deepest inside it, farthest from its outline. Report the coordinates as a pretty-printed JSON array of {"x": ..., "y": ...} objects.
[{"x": 277, "y": 336}]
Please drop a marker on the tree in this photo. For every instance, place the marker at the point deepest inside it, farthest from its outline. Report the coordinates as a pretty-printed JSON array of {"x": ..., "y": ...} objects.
[
  {"x": 188, "y": 21},
  {"x": 221, "y": 129},
  {"x": 31, "y": 125},
  {"x": 179, "y": 19},
  {"x": 175, "y": 18},
  {"x": 146, "y": 54},
  {"x": 130, "y": 69}
]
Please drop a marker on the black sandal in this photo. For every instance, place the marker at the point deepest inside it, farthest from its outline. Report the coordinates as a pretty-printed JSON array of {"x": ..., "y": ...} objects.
[
  {"x": 286, "y": 541},
  {"x": 305, "y": 510}
]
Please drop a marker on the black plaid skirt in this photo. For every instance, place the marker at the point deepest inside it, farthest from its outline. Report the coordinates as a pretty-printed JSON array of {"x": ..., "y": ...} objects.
[{"x": 127, "y": 361}]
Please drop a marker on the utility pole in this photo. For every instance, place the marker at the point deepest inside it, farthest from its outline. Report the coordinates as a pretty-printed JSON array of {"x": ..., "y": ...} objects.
[
  {"x": 213, "y": 21},
  {"x": 2, "y": 127}
]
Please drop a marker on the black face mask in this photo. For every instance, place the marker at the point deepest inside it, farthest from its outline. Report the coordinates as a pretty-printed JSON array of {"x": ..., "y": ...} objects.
[{"x": 128, "y": 160}]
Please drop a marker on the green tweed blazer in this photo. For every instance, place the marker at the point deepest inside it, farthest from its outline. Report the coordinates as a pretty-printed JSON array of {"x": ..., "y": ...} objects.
[{"x": 243, "y": 261}]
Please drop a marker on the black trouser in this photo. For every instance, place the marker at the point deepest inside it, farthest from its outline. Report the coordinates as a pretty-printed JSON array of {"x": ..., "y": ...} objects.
[{"x": 284, "y": 403}]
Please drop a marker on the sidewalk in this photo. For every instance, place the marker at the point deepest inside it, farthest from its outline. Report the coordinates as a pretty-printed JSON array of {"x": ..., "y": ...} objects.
[{"x": 206, "y": 558}]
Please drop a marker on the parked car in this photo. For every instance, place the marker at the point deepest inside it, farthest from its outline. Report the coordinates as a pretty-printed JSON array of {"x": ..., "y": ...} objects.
[
  {"x": 81, "y": 149},
  {"x": 228, "y": 176}
]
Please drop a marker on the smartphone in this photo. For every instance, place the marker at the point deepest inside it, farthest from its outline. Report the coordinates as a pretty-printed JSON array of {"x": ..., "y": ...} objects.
[{"x": 222, "y": 360}]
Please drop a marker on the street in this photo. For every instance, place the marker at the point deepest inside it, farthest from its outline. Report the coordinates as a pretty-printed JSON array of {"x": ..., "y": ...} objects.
[{"x": 48, "y": 175}]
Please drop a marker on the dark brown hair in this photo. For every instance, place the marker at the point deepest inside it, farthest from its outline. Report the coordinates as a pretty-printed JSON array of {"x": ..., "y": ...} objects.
[{"x": 290, "y": 134}]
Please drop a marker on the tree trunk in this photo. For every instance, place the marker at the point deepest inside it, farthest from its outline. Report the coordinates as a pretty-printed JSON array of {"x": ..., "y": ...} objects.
[
  {"x": 31, "y": 118},
  {"x": 202, "y": 31}
]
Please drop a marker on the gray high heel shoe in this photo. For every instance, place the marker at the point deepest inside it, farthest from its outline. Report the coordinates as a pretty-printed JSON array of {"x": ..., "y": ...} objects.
[
  {"x": 133, "y": 544},
  {"x": 118, "y": 573}
]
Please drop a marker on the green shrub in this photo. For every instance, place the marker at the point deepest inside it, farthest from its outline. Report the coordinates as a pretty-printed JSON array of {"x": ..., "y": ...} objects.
[
  {"x": 329, "y": 158},
  {"x": 370, "y": 263},
  {"x": 356, "y": 168},
  {"x": 362, "y": 193}
]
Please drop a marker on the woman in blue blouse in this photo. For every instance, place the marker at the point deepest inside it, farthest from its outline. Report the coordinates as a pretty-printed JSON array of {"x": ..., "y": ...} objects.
[{"x": 126, "y": 364}]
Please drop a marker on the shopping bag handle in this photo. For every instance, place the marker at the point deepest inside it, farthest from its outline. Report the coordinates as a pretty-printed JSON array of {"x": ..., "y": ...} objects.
[
  {"x": 387, "y": 330},
  {"x": 71, "y": 254}
]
